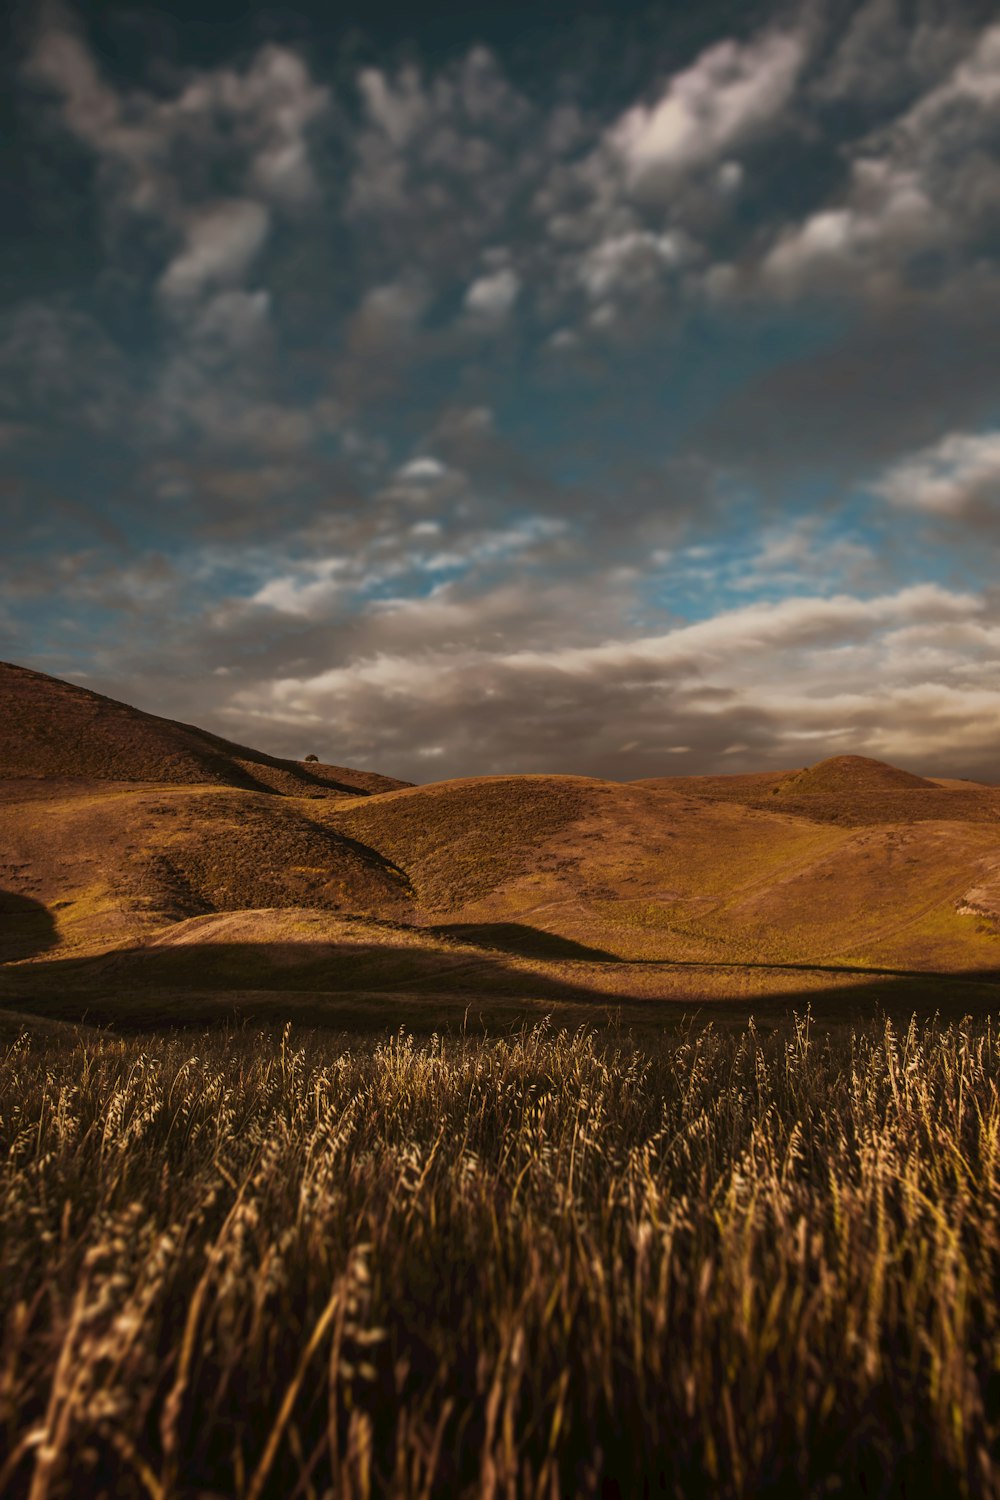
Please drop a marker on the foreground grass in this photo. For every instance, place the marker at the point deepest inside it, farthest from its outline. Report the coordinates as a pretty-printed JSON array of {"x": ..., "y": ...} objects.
[{"x": 546, "y": 1265}]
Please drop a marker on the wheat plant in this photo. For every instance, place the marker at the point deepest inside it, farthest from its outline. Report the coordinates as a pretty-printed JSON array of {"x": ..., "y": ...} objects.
[{"x": 547, "y": 1264}]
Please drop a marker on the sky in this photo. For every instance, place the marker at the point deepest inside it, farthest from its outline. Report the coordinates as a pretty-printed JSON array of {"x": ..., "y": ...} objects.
[{"x": 578, "y": 387}]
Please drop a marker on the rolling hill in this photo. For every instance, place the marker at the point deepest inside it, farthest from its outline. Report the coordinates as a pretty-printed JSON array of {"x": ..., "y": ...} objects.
[
  {"x": 648, "y": 875},
  {"x": 55, "y": 730},
  {"x": 148, "y": 867},
  {"x": 850, "y": 789}
]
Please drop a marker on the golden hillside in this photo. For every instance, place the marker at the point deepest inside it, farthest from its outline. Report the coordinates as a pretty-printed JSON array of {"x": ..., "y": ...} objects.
[{"x": 540, "y": 889}]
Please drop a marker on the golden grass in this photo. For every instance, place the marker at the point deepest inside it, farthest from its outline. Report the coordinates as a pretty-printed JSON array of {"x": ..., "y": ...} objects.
[
  {"x": 458, "y": 841},
  {"x": 548, "y": 1264}
]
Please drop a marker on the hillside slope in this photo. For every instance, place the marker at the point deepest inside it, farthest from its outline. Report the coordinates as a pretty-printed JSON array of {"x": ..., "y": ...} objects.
[
  {"x": 112, "y": 865},
  {"x": 653, "y": 876},
  {"x": 852, "y": 790},
  {"x": 56, "y": 730},
  {"x": 532, "y": 887}
]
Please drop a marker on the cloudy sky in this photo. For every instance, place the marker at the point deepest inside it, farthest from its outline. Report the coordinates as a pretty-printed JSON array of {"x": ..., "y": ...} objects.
[{"x": 608, "y": 389}]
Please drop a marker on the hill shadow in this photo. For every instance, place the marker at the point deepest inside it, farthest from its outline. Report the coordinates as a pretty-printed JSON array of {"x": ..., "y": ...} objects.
[
  {"x": 26, "y": 928},
  {"x": 224, "y": 769},
  {"x": 521, "y": 940},
  {"x": 377, "y": 986},
  {"x": 195, "y": 983}
]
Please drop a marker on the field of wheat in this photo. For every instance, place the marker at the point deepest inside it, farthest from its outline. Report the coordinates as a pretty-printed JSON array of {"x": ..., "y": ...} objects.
[{"x": 547, "y": 1264}]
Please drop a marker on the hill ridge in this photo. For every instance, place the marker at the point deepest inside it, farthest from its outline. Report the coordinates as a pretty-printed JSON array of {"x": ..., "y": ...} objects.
[
  {"x": 853, "y": 790},
  {"x": 52, "y": 729},
  {"x": 851, "y": 773}
]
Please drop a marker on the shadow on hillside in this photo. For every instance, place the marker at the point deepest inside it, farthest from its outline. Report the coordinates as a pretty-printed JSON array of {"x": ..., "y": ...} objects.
[
  {"x": 375, "y": 986},
  {"x": 194, "y": 982},
  {"x": 26, "y": 928},
  {"x": 237, "y": 774},
  {"x": 232, "y": 763},
  {"x": 521, "y": 940},
  {"x": 803, "y": 966}
]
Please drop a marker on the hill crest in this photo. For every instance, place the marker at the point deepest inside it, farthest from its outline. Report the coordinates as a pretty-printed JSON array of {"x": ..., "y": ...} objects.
[
  {"x": 854, "y": 790},
  {"x": 51, "y": 729},
  {"x": 851, "y": 773}
]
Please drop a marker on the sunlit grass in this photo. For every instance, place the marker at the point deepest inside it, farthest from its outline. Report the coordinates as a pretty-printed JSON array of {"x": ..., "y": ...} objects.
[{"x": 550, "y": 1264}]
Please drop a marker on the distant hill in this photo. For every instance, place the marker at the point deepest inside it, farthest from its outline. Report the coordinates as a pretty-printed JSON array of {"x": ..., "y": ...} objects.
[
  {"x": 56, "y": 730},
  {"x": 853, "y": 790},
  {"x": 850, "y": 774}
]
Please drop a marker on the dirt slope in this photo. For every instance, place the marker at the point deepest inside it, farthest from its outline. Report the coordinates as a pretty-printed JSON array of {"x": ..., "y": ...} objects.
[{"x": 56, "y": 730}]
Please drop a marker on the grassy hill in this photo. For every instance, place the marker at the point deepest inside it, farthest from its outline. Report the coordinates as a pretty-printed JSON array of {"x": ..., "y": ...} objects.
[
  {"x": 851, "y": 775},
  {"x": 543, "y": 889},
  {"x": 655, "y": 876},
  {"x": 113, "y": 864},
  {"x": 853, "y": 790},
  {"x": 56, "y": 730}
]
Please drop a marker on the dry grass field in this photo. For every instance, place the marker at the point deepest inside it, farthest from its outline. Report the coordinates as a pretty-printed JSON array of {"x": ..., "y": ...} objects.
[
  {"x": 548, "y": 1264},
  {"x": 365, "y": 1140}
]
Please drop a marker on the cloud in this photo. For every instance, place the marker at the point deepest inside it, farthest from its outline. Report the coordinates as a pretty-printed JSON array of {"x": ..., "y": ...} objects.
[
  {"x": 59, "y": 366},
  {"x": 307, "y": 595},
  {"x": 887, "y": 382},
  {"x": 492, "y": 296},
  {"x": 874, "y": 675},
  {"x": 398, "y": 107},
  {"x": 926, "y": 184},
  {"x": 388, "y": 313},
  {"x": 154, "y": 148},
  {"x": 630, "y": 262},
  {"x": 60, "y": 59},
  {"x": 495, "y": 399},
  {"x": 889, "y": 52},
  {"x": 950, "y": 478},
  {"x": 756, "y": 627},
  {"x": 221, "y": 243},
  {"x": 424, "y": 481},
  {"x": 440, "y": 160},
  {"x": 731, "y": 91},
  {"x": 232, "y": 324},
  {"x": 797, "y": 553},
  {"x": 421, "y": 469},
  {"x": 887, "y": 216},
  {"x": 970, "y": 91},
  {"x": 192, "y": 181}
]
